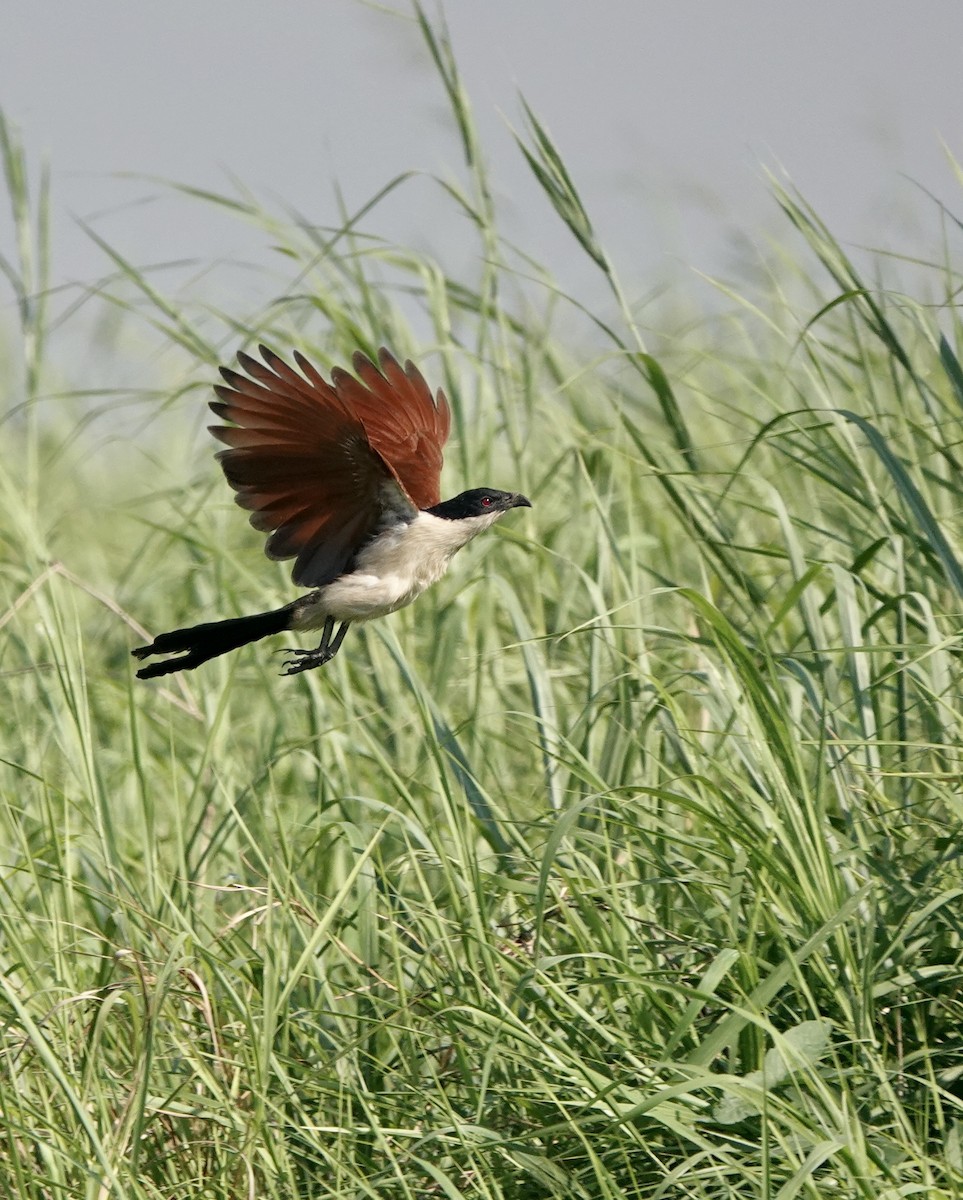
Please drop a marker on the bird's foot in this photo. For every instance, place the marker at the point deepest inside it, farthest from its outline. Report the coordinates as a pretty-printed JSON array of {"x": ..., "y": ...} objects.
[{"x": 306, "y": 660}]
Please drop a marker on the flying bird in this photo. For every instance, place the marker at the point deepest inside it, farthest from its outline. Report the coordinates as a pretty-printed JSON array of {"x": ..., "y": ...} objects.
[{"x": 345, "y": 477}]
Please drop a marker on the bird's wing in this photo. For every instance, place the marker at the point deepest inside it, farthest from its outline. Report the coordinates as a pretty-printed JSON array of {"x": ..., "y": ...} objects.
[
  {"x": 403, "y": 423},
  {"x": 303, "y": 460}
]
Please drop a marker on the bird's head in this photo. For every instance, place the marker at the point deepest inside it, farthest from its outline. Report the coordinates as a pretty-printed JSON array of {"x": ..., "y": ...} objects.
[{"x": 479, "y": 502}]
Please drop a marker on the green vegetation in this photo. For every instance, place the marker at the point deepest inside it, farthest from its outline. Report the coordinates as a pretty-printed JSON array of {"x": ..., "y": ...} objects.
[{"x": 626, "y": 863}]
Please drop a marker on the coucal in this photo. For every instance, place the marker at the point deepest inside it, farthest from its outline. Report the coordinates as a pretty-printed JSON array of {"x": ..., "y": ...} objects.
[{"x": 344, "y": 476}]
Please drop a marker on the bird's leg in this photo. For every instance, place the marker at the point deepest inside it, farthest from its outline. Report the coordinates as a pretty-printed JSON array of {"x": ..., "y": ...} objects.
[{"x": 307, "y": 660}]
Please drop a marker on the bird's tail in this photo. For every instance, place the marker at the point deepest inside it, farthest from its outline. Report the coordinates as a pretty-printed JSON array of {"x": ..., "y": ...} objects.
[{"x": 202, "y": 642}]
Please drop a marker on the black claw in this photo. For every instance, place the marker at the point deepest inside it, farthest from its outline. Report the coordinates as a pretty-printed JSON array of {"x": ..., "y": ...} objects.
[{"x": 307, "y": 661}]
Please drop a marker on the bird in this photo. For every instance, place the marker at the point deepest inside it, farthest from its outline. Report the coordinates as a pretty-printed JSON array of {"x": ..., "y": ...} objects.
[{"x": 345, "y": 478}]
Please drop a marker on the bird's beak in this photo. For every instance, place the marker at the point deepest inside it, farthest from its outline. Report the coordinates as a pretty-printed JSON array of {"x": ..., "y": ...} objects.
[{"x": 520, "y": 501}]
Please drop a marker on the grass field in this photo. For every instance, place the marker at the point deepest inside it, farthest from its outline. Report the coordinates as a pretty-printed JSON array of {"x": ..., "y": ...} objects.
[{"x": 625, "y": 863}]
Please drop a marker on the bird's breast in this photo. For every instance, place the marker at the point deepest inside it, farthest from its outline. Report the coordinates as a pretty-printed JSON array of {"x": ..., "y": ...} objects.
[{"x": 396, "y": 566}]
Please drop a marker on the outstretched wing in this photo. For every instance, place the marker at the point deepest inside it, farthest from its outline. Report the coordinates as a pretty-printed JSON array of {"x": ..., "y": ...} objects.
[
  {"x": 404, "y": 424},
  {"x": 321, "y": 466}
]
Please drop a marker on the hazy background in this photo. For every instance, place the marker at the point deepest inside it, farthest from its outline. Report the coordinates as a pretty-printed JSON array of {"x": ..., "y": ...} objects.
[{"x": 666, "y": 114}]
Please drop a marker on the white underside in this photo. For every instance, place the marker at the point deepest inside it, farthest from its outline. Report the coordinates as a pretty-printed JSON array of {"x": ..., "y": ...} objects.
[{"x": 393, "y": 570}]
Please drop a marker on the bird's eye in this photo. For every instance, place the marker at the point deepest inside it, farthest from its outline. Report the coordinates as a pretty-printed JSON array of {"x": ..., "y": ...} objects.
[{"x": 486, "y": 501}]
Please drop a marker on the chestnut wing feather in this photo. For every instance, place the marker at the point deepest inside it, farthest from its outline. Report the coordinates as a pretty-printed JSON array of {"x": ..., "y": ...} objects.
[
  {"x": 320, "y": 467},
  {"x": 404, "y": 424}
]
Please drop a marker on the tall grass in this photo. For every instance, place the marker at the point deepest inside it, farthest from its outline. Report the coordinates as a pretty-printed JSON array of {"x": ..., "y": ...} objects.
[{"x": 624, "y": 864}]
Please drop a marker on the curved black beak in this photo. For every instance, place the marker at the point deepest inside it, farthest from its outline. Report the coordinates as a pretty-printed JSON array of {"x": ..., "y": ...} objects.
[{"x": 519, "y": 501}]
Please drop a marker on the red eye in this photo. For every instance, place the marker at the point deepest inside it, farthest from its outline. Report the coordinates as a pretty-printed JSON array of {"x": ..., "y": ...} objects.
[{"x": 486, "y": 501}]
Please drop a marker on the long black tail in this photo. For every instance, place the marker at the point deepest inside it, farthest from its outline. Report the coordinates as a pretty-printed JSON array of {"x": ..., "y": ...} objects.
[{"x": 202, "y": 642}]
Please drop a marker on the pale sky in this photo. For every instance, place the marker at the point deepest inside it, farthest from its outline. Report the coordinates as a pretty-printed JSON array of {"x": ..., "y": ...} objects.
[{"x": 666, "y": 113}]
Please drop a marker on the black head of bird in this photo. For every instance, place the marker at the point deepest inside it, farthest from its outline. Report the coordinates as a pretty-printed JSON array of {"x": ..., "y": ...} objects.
[{"x": 345, "y": 478}]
